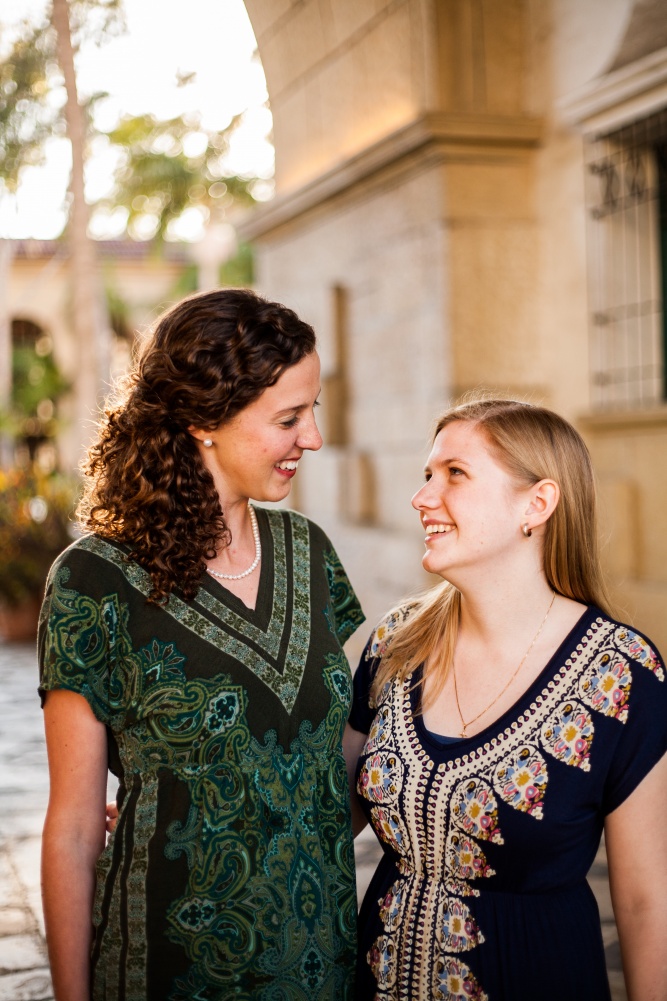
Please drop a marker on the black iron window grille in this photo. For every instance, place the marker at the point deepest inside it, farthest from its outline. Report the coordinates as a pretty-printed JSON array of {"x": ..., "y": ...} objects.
[{"x": 626, "y": 198}]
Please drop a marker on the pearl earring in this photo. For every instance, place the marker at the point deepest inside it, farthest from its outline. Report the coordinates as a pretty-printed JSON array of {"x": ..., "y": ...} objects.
[
  {"x": 526, "y": 530},
  {"x": 208, "y": 442}
]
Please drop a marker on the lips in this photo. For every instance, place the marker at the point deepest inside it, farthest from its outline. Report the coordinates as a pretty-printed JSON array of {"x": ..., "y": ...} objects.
[
  {"x": 437, "y": 529},
  {"x": 287, "y": 468}
]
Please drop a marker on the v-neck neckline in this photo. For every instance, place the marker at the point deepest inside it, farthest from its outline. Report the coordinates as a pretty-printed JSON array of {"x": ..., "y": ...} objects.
[
  {"x": 273, "y": 639},
  {"x": 429, "y": 739},
  {"x": 260, "y": 615}
]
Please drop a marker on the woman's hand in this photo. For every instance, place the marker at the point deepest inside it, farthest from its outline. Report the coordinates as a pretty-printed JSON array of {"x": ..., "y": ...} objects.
[
  {"x": 636, "y": 842},
  {"x": 112, "y": 817}
]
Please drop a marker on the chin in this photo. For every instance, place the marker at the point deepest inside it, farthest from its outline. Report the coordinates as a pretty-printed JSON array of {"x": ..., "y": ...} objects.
[
  {"x": 274, "y": 494},
  {"x": 430, "y": 565}
]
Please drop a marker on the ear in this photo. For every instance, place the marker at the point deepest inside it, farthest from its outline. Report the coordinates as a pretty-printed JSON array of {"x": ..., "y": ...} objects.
[
  {"x": 199, "y": 433},
  {"x": 543, "y": 501}
]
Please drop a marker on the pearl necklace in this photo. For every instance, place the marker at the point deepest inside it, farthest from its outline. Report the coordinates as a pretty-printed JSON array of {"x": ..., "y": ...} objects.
[
  {"x": 258, "y": 552},
  {"x": 464, "y": 725}
]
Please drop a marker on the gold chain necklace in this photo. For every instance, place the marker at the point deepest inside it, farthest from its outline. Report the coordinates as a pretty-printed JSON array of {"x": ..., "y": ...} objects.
[{"x": 502, "y": 692}]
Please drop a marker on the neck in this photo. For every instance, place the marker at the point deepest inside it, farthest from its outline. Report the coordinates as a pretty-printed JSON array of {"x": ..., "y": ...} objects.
[
  {"x": 236, "y": 514},
  {"x": 498, "y": 608}
]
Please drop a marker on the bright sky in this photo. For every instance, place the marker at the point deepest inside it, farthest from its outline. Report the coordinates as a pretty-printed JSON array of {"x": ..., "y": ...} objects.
[{"x": 211, "y": 38}]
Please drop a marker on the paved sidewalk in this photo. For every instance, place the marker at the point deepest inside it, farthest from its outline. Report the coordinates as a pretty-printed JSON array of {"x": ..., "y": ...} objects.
[
  {"x": 24, "y": 784},
  {"x": 24, "y": 973}
]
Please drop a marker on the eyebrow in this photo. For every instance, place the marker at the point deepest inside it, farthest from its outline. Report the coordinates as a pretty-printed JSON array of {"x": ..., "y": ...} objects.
[
  {"x": 297, "y": 407},
  {"x": 448, "y": 462}
]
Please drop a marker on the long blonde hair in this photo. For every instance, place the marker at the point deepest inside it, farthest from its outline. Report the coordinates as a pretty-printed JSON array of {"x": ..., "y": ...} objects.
[{"x": 533, "y": 444}]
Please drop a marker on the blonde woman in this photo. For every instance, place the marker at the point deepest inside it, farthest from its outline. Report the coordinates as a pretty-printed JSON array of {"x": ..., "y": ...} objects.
[{"x": 504, "y": 721}]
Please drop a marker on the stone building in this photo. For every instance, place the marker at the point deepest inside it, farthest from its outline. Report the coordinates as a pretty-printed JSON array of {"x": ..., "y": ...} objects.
[{"x": 471, "y": 194}]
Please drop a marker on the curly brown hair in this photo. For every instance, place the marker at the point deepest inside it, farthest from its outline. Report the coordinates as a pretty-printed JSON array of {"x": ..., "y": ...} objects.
[{"x": 205, "y": 359}]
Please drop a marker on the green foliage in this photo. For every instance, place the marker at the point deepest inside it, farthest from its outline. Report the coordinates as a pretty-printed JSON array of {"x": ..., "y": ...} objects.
[
  {"x": 36, "y": 524},
  {"x": 31, "y": 110},
  {"x": 95, "y": 20},
  {"x": 35, "y": 380},
  {"x": 186, "y": 282},
  {"x": 118, "y": 312},
  {"x": 158, "y": 178},
  {"x": 36, "y": 387},
  {"x": 28, "y": 76},
  {"x": 240, "y": 270}
]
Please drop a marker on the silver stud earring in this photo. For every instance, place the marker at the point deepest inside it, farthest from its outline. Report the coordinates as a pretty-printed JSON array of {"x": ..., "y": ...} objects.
[
  {"x": 526, "y": 530},
  {"x": 208, "y": 442}
]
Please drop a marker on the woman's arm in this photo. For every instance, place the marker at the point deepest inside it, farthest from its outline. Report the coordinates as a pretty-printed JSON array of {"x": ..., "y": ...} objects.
[
  {"x": 73, "y": 838},
  {"x": 353, "y": 743},
  {"x": 636, "y": 841}
]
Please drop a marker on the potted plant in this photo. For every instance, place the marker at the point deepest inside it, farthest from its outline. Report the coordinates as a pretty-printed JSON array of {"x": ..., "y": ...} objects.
[{"x": 36, "y": 524}]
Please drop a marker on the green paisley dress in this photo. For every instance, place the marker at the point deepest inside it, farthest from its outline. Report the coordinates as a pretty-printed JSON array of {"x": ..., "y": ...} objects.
[{"x": 230, "y": 874}]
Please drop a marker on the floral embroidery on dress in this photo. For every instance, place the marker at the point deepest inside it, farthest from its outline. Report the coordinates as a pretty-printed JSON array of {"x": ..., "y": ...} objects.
[
  {"x": 380, "y": 639},
  {"x": 454, "y": 980},
  {"x": 391, "y": 905},
  {"x": 381, "y": 778},
  {"x": 427, "y": 915},
  {"x": 474, "y": 809},
  {"x": 465, "y": 860},
  {"x": 605, "y": 685},
  {"x": 568, "y": 735},
  {"x": 381, "y": 958},
  {"x": 521, "y": 781},
  {"x": 380, "y": 729},
  {"x": 639, "y": 650},
  {"x": 456, "y": 928},
  {"x": 389, "y": 826}
]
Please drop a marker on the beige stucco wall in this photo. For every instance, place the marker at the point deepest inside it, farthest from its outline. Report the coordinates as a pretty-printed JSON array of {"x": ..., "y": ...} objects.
[
  {"x": 379, "y": 248},
  {"x": 427, "y": 165}
]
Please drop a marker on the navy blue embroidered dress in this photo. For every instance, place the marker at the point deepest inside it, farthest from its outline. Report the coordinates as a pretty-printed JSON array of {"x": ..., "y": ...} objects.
[
  {"x": 230, "y": 874},
  {"x": 481, "y": 892}
]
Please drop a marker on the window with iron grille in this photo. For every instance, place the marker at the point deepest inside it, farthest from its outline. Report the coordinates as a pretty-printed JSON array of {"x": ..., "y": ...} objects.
[{"x": 626, "y": 195}]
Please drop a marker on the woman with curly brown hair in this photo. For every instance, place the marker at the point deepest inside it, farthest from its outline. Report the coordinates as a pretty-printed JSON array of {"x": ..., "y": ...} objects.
[{"x": 192, "y": 643}]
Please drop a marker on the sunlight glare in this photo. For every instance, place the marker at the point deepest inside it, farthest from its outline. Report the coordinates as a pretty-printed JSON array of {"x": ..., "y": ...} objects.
[{"x": 200, "y": 64}]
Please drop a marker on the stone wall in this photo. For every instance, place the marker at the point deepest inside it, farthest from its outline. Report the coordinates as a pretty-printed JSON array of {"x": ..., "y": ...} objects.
[{"x": 430, "y": 220}]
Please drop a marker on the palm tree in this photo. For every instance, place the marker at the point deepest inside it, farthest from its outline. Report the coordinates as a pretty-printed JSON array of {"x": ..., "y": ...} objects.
[{"x": 90, "y": 329}]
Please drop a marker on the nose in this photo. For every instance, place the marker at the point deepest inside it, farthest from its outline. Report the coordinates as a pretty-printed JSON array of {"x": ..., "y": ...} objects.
[
  {"x": 420, "y": 501},
  {"x": 309, "y": 435}
]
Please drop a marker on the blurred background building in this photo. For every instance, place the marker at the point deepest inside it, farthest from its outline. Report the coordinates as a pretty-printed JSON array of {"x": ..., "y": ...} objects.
[
  {"x": 472, "y": 194},
  {"x": 469, "y": 195}
]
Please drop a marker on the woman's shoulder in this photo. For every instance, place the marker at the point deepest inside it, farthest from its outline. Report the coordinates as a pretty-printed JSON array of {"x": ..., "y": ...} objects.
[
  {"x": 277, "y": 515},
  {"x": 384, "y": 631},
  {"x": 91, "y": 558},
  {"x": 627, "y": 640}
]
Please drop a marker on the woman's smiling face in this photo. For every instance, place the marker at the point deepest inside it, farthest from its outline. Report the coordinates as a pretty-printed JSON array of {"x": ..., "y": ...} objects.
[
  {"x": 256, "y": 454},
  {"x": 470, "y": 507}
]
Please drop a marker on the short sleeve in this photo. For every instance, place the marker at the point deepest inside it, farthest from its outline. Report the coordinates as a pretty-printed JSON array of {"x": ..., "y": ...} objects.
[
  {"x": 72, "y": 639},
  {"x": 643, "y": 740},
  {"x": 347, "y": 613},
  {"x": 362, "y": 712},
  {"x": 363, "y": 706}
]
